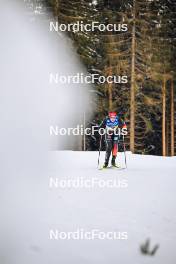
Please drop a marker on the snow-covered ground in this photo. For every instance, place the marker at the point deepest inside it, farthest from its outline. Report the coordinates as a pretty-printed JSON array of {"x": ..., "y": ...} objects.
[{"x": 144, "y": 208}]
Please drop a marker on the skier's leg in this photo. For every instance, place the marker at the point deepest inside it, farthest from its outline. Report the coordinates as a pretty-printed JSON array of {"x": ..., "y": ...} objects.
[
  {"x": 108, "y": 150},
  {"x": 114, "y": 150}
]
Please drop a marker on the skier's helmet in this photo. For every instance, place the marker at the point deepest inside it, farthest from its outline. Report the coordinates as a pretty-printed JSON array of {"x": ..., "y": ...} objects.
[{"x": 112, "y": 114}]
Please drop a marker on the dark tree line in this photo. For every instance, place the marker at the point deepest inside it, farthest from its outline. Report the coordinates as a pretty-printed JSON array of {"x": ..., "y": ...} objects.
[{"x": 145, "y": 53}]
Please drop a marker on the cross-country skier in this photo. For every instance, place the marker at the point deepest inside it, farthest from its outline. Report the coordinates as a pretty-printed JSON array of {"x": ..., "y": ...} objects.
[{"x": 111, "y": 124}]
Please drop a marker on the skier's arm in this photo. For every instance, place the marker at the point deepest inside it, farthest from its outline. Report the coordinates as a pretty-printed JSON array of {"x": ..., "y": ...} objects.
[
  {"x": 122, "y": 123},
  {"x": 103, "y": 124}
]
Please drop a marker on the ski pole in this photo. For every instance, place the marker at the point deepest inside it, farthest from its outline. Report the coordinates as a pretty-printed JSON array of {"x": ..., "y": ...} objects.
[
  {"x": 99, "y": 151},
  {"x": 124, "y": 150}
]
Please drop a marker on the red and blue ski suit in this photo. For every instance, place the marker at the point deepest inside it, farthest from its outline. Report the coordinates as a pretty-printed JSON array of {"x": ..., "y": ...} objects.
[{"x": 111, "y": 138}]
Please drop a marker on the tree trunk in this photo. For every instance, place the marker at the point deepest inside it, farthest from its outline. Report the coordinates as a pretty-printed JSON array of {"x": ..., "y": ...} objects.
[
  {"x": 172, "y": 118},
  {"x": 56, "y": 8},
  {"x": 164, "y": 117},
  {"x": 110, "y": 91},
  {"x": 109, "y": 73},
  {"x": 167, "y": 137},
  {"x": 132, "y": 95}
]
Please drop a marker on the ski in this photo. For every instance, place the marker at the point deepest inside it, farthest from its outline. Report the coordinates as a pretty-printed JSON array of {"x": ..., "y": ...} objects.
[
  {"x": 117, "y": 167},
  {"x": 112, "y": 167}
]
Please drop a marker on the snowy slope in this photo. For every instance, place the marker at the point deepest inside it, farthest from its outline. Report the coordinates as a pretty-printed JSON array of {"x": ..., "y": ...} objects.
[{"x": 146, "y": 208}]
